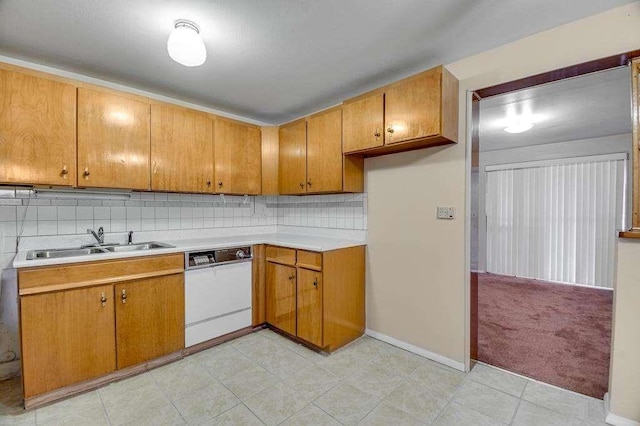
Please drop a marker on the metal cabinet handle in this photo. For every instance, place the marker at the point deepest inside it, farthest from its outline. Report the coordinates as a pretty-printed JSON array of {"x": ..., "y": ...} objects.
[
  {"x": 220, "y": 184},
  {"x": 301, "y": 185},
  {"x": 64, "y": 170},
  {"x": 390, "y": 130},
  {"x": 315, "y": 282},
  {"x": 103, "y": 299},
  {"x": 123, "y": 296},
  {"x": 86, "y": 171},
  {"x": 208, "y": 183},
  {"x": 309, "y": 182},
  {"x": 376, "y": 133},
  {"x": 291, "y": 277}
]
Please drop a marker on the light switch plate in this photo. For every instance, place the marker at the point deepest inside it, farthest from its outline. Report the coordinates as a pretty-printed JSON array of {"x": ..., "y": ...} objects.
[{"x": 446, "y": 213}]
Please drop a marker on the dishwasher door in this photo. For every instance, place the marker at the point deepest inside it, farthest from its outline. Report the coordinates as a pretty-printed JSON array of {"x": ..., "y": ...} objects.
[{"x": 217, "y": 301}]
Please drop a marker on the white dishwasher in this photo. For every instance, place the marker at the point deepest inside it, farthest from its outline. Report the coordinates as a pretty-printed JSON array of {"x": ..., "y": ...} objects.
[{"x": 217, "y": 293}]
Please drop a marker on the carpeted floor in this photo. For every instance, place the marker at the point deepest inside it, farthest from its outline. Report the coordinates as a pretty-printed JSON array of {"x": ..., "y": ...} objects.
[{"x": 558, "y": 334}]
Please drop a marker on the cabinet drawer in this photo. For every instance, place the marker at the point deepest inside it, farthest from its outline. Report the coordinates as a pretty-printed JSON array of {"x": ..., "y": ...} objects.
[
  {"x": 310, "y": 260},
  {"x": 75, "y": 275},
  {"x": 281, "y": 255}
]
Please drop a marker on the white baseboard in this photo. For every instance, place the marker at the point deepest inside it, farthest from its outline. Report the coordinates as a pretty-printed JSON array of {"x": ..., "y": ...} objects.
[
  {"x": 614, "y": 419},
  {"x": 416, "y": 350}
]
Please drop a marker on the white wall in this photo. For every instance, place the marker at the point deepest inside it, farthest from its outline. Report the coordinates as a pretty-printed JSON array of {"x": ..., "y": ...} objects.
[{"x": 568, "y": 149}]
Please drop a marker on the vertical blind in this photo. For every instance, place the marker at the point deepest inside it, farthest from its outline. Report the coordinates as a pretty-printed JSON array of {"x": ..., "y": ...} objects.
[{"x": 556, "y": 220}]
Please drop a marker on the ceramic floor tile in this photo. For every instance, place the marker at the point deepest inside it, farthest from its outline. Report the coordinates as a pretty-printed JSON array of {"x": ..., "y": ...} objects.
[
  {"x": 21, "y": 418},
  {"x": 164, "y": 416},
  {"x": 488, "y": 401},
  {"x": 497, "y": 379},
  {"x": 82, "y": 409},
  {"x": 375, "y": 380},
  {"x": 385, "y": 414},
  {"x": 238, "y": 415},
  {"x": 562, "y": 401},
  {"x": 125, "y": 400},
  {"x": 250, "y": 382},
  {"x": 595, "y": 412},
  {"x": 344, "y": 363},
  {"x": 182, "y": 378},
  {"x": 275, "y": 358},
  {"x": 442, "y": 381},
  {"x": 312, "y": 382},
  {"x": 311, "y": 416},
  {"x": 11, "y": 396},
  {"x": 221, "y": 362},
  {"x": 418, "y": 402},
  {"x": 532, "y": 415},
  {"x": 249, "y": 340},
  {"x": 347, "y": 404},
  {"x": 457, "y": 415},
  {"x": 275, "y": 404},
  {"x": 206, "y": 404}
]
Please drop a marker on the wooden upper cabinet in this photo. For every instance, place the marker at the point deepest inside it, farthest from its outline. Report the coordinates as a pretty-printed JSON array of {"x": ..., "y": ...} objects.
[
  {"x": 413, "y": 113},
  {"x": 37, "y": 130},
  {"x": 412, "y": 108},
  {"x": 67, "y": 337},
  {"x": 238, "y": 158},
  {"x": 292, "y": 162},
  {"x": 113, "y": 140},
  {"x": 324, "y": 152},
  {"x": 149, "y": 318},
  {"x": 363, "y": 123},
  {"x": 181, "y": 149}
]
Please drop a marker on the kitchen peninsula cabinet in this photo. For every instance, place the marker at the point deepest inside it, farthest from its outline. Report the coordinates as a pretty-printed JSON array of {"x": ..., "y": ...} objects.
[
  {"x": 317, "y": 297},
  {"x": 37, "y": 130},
  {"x": 416, "y": 112},
  {"x": 81, "y": 324},
  {"x": 238, "y": 158},
  {"x": 181, "y": 149},
  {"x": 113, "y": 140}
]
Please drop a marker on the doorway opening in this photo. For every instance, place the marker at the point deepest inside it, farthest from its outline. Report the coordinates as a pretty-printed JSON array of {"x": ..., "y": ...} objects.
[{"x": 550, "y": 185}]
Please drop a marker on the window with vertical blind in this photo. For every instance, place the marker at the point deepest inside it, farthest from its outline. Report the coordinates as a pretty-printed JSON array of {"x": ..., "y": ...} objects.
[{"x": 556, "y": 220}]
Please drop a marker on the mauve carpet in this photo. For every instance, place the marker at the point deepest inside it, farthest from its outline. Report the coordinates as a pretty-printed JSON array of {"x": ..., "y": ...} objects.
[{"x": 556, "y": 333}]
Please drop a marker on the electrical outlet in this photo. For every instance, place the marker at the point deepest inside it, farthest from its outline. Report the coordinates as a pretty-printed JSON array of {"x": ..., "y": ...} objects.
[{"x": 446, "y": 213}]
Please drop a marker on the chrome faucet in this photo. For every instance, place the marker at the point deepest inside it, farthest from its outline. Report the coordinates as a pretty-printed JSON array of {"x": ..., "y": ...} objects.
[{"x": 99, "y": 236}]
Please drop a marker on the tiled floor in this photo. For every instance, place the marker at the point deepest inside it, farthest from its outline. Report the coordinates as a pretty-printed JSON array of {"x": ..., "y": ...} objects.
[{"x": 265, "y": 379}]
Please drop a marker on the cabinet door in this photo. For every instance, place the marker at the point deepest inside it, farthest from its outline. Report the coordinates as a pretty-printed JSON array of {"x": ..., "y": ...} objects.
[
  {"x": 412, "y": 108},
  {"x": 238, "y": 154},
  {"x": 181, "y": 150},
  {"x": 281, "y": 297},
  {"x": 292, "y": 162},
  {"x": 149, "y": 318},
  {"x": 67, "y": 337},
  {"x": 363, "y": 123},
  {"x": 113, "y": 140},
  {"x": 324, "y": 152},
  {"x": 310, "y": 306},
  {"x": 37, "y": 130}
]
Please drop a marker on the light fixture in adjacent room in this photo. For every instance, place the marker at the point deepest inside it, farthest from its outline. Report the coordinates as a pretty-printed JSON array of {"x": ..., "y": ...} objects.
[
  {"x": 519, "y": 125},
  {"x": 185, "y": 46}
]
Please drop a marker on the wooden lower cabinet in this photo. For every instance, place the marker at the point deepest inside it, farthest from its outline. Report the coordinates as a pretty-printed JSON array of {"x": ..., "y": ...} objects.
[
  {"x": 149, "y": 318},
  {"x": 82, "y": 321},
  {"x": 281, "y": 297},
  {"x": 309, "y": 309},
  {"x": 317, "y": 297},
  {"x": 67, "y": 337}
]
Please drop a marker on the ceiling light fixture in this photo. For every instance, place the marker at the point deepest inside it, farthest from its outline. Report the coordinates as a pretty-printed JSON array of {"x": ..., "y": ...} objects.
[
  {"x": 518, "y": 126},
  {"x": 185, "y": 46}
]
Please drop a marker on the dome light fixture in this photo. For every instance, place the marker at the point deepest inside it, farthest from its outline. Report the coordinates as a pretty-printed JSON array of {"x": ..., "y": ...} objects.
[{"x": 185, "y": 46}]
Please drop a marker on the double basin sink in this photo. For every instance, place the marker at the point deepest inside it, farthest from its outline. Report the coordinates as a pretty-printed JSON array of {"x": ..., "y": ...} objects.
[{"x": 97, "y": 249}]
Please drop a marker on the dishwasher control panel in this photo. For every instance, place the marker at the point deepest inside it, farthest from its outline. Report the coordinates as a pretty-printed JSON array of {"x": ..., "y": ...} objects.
[{"x": 205, "y": 258}]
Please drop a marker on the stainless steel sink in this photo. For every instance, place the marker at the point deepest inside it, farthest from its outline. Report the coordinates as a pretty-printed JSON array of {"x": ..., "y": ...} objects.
[
  {"x": 57, "y": 253},
  {"x": 139, "y": 246},
  {"x": 85, "y": 251}
]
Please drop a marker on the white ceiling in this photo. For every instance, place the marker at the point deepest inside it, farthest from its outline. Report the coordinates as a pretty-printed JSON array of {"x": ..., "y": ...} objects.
[
  {"x": 589, "y": 106},
  {"x": 271, "y": 60}
]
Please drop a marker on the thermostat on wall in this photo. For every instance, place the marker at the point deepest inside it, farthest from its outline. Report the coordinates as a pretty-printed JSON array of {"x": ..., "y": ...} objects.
[{"x": 446, "y": 213}]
